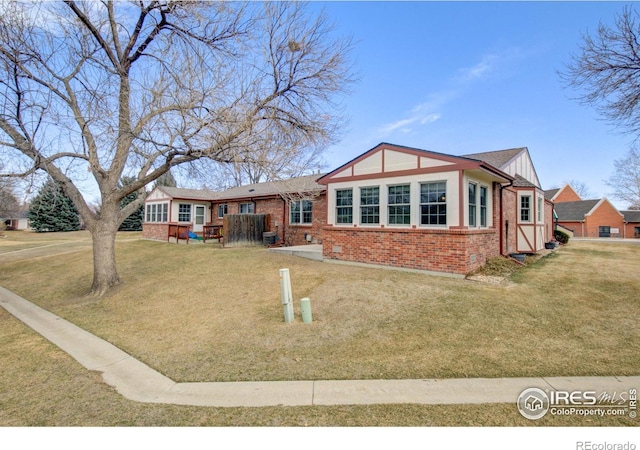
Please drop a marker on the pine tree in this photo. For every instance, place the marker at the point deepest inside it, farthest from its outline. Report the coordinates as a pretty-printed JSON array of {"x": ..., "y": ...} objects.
[
  {"x": 134, "y": 221},
  {"x": 52, "y": 210}
]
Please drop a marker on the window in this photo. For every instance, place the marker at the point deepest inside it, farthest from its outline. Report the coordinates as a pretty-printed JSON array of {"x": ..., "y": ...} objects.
[
  {"x": 399, "y": 205},
  {"x": 433, "y": 203},
  {"x": 222, "y": 210},
  {"x": 157, "y": 212},
  {"x": 370, "y": 205},
  {"x": 472, "y": 204},
  {"x": 483, "y": 206},
  {"x": 184, "y": 212},
  {"x": 300, "y": 212},
  {"x": 246, "y": 208},
  {"x": 540, "y": 209},
  {"x": 344, "y": 206},
  {"x": 525, "y": 208}
]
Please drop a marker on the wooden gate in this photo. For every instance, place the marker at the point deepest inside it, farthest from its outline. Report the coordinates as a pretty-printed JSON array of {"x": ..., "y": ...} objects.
[{"x": 244, "y": 229}]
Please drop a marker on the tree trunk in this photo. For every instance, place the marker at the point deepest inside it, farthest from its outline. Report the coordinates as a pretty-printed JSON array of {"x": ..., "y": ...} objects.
[{"x": 105, "y": 274}]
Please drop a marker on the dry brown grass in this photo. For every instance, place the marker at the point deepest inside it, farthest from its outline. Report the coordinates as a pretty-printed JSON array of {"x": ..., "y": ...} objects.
[{"x": 203, "y": 313}]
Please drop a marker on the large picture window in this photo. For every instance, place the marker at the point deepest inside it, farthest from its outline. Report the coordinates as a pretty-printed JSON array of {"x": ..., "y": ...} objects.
[
  {"x": 157, "y": 212},
  {"x": 184, "y": 212},
  {"x": 433, "y": 203},
  {"x": 344, "y": 206},
  {"x": 301, "y": 212},
  {"x": 370, "y": 205},
  {"x": 399, "y": 205}
]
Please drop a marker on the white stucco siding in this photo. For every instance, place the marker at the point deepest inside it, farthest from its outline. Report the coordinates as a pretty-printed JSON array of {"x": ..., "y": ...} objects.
[
  {"x": 394, "y": 161},
  {"x": 156, "y": 194}
]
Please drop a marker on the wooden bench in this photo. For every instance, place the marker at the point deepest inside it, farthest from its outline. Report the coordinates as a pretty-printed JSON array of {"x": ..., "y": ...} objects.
[
  {"x": 210, "y": 231},
  {"x": 178, "y": 231}
]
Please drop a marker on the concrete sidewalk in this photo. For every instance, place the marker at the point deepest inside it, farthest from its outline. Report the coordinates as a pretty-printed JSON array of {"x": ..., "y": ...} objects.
[{"x": 137, "y": 381}]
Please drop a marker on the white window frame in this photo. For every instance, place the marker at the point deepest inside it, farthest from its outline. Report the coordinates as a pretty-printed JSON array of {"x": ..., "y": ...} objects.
[
  {"x": 304, "y": 215},
  {"x": 344, "y": 208},
  {"x": 472, "y": 215},
  {"x": 249, "y": 205},
  {"x": 442, "y": 200},
  {"x": 157, "y": 213},
  {"x": 222, "y": 207},
  {"x": 402, "y": 204},
  {"x": 364, "y": 206},
  {"x": 528, "y": 209},
  {"x": 182, "y": 213}
]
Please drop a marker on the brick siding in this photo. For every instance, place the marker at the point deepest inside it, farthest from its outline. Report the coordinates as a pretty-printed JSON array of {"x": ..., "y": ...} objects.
[
  {"x": 157, "y": 231},
  {"x": 449, "y": 251}
]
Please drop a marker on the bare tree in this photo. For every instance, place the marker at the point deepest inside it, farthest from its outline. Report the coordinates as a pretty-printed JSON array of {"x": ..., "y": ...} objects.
[
  {"x": 607, "y": 69},
  {"x": 625, "y": 181},
  {"x": 91, "y": 92}
]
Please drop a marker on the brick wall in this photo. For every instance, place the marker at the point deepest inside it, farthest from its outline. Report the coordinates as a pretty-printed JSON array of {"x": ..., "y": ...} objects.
[
  {"x": 156, "y": 231},
  {"x": 449, "y": 251},
  {"x": 605, "y": 215},
  {"x": 278, "y": 212},
  {"x": 567, "y": 195}
]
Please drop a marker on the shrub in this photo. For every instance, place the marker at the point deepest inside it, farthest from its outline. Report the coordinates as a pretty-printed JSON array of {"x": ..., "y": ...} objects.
[{"x": 561, "y": 236}]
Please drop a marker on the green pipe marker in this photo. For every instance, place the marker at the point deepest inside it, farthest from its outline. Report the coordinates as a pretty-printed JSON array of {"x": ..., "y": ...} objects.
[{"x": 305, "y": 308}]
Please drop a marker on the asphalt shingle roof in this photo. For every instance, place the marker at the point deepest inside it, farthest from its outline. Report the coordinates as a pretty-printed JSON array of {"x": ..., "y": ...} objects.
[
  {"x": 631, "y": 215},
  {"x": 550, "y": 193},
  {"x": 498, "y": 158},
  {"x": 306, "y": 183},
  {"x": 574, "y": 211}
]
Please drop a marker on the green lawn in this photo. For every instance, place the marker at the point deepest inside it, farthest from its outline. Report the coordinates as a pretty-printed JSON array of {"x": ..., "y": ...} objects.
[{"x": 204, "y": 313}]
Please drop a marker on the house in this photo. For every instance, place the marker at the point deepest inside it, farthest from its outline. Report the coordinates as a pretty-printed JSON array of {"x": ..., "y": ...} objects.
[
  {"x": 418, "y": 209},
  {"x": 393, "y": 206},
  {"x": 295, "y": 207},
  {"x": 18, "y": 221},
  {"x": 631, "y": 223},
  {"x": 587, "y": 218}
]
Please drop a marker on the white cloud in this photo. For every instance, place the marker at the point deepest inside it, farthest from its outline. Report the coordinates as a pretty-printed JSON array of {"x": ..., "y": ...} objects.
[{"x": 431, "y": 111}]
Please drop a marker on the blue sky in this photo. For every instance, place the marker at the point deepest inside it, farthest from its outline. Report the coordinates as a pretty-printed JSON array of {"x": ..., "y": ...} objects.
[{"x": 465, "y": 77}]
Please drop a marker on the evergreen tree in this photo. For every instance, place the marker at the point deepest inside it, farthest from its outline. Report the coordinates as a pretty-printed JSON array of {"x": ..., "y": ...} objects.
[
  {"x": 166, "y": 179},
  {"x": 134, "y": 221},
  {"x": 52, "y": 210}
]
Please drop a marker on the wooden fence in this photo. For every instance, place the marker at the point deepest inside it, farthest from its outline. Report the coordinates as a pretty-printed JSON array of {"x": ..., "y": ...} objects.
[{"x": 244, "y": 229}]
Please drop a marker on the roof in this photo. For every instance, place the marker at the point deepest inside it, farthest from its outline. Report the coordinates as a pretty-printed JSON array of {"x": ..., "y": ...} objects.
[
  {"x": 631, "y": 215},
  {"x": 498, "y": 158},
  {"x": 305, "y": 183},
  {"x": 191, "y": 194},
  {"x": 574, "y": 211},
  {"x": 549, "y": 194},
  {"x": 522, "y": 182}
]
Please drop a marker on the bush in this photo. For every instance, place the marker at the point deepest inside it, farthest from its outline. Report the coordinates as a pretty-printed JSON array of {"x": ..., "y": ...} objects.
[{"x": 561, "y": 236}]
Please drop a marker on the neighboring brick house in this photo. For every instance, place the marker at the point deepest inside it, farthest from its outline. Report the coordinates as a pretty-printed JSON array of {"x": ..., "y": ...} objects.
[
  {"x": 412, "y": 208},
  {"x": 296, "y": 208},
  {"x": 588, "y": 218},
  {"x": 631, "y": 223}
]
